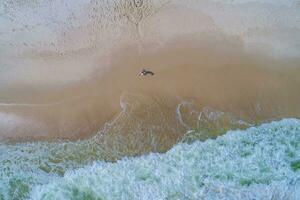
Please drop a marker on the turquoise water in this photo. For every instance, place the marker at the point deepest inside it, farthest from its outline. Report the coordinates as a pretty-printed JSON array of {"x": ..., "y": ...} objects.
[{"x": 261, "y": 162}]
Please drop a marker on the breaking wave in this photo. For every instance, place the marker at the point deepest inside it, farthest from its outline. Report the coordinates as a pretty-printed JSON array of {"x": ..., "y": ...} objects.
[
  {"x": 257, "y": 163},
  {"x": 218, "y": 120}
]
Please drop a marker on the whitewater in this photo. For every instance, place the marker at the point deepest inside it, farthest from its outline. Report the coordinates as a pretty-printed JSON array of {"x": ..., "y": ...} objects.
[
  {"x": 220, "y": 119},
  {"x": 258, "y": 163}
]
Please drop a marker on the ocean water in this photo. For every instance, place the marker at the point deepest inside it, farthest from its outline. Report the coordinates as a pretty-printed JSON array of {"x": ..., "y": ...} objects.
[
  {"x": 218, "y": 120},
  {"x": 261, "y": 162}
]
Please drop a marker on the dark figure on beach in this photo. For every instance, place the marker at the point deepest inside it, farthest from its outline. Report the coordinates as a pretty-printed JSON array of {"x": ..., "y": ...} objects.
[{"x": 146, "y": 72}]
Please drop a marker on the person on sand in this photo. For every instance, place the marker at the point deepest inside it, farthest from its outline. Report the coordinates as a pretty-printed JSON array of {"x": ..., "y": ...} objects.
[{"x": 145, "y": 72}]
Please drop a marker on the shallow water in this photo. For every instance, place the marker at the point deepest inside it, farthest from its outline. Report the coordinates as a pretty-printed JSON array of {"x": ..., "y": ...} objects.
[
  {"x": 261, "y": 163},
  {"x": 73, "y": 108}
]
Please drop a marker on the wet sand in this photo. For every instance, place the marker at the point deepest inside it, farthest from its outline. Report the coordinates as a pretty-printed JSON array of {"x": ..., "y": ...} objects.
[
  {"x": 209, "y": 73},
  {"x": 70, "y": 93}
]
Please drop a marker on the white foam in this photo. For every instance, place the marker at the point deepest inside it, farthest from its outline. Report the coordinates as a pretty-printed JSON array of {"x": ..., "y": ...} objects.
[{"x": 251, "y": 164}]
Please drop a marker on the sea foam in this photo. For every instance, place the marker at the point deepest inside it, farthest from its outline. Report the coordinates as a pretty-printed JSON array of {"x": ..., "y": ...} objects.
[{"x": 258, "y": 163}]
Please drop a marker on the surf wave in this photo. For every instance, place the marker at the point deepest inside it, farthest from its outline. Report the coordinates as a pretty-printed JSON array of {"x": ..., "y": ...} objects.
[
  {"x": 72, "y": 104},
  {"x": 260, "y": 162}
]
